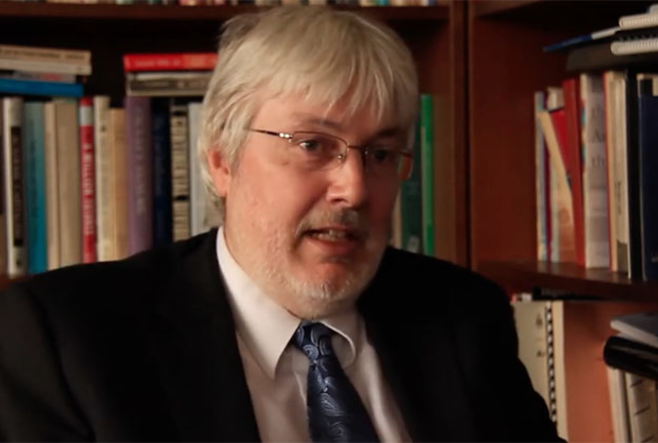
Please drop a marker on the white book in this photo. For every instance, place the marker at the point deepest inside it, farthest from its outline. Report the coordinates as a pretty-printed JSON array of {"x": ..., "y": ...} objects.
[
  {"x": 618, "y": 405},
  {"x": 197, "y": 192},
  {"x": 47, "y": 67},
  {"x": 12, "y": 132},
  {"x": 595, "y": 198},
  {"x": 610, "y": 140},
  {"x": 104, "y": 168},
  {"x": 642, "y": 408}
]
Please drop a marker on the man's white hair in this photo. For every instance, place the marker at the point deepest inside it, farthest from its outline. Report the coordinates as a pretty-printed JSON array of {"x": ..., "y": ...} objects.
[{"x": 318, "y": 52}]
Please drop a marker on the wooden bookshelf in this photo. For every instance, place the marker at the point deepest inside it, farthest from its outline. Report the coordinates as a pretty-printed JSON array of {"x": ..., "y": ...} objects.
[
  {"x": 436, "y": 36},
  {"x": 523, "y": 276},
  {"x": 144, "y": 12},
  {"x": 506, "y": 66}
]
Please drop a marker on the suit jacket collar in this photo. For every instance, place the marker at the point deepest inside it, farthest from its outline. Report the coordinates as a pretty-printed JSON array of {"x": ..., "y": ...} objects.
[
  {"x": 200, "y": 363},
  {"x": 203, "y": 376}
]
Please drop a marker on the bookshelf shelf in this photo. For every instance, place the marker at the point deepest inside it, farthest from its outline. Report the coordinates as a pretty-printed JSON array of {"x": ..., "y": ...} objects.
[
  {"x": 486, "y": 7},
  {"x": 600, "y": 283},
  {"x": 175, "y": 12}
]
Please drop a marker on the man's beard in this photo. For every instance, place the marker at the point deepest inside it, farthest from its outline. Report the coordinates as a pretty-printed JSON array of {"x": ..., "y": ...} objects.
[{"x": 314, "y": 295}]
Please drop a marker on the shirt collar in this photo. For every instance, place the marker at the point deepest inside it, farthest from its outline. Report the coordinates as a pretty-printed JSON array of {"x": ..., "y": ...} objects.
[{"x": 266, "y": 327}]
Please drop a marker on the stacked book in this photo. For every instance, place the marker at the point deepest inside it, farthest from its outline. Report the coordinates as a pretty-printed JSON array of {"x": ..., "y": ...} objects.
[
  {"x": 632, "y": 359},
  {"x": 163, "y": 113},
  {"x": 596, "y": 186},
  {"x": 28, "y": 70}
]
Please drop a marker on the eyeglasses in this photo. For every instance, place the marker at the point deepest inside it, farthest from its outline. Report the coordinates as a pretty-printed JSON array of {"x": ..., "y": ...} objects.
[{"x": 316, "y": 151}]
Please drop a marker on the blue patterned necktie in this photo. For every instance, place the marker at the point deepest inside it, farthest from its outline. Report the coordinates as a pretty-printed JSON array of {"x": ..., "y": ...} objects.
[{"x": 335, "y": 411}]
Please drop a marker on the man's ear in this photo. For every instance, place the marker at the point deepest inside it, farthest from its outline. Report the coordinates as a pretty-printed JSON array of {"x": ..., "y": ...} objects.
[{"x": 219, "y": 170}]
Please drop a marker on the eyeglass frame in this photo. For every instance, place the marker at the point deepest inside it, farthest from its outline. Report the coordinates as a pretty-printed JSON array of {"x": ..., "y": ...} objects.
[{"x": 289, "y": 136}]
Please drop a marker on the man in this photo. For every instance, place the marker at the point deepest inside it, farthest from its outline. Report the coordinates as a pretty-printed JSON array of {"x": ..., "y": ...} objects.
[{"x": 293, "y": 321}]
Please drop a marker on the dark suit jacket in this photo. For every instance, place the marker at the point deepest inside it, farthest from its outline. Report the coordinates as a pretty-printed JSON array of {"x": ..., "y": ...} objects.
[{"x": 145, "y": 349}]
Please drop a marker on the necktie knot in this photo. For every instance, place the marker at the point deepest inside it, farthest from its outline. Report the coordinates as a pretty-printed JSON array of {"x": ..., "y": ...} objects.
[
  {"x": 314, "y": 340},
  {"x": 335, "y": 411}
]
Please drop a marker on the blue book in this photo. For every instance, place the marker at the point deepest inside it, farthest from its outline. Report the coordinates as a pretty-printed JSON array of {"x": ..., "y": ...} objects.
[
  {"x": 31, "y": 87},
  {"x": 648, "y": 141},
  {"x": 161, "y": 140},
  {"x": 35, "y": 188}
]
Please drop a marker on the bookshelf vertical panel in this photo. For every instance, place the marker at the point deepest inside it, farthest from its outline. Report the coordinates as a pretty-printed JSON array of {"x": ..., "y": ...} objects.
[{"x": 506, "y": 66}]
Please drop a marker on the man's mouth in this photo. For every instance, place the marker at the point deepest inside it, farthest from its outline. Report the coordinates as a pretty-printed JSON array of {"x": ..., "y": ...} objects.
[{"x": 333, "y": 234}]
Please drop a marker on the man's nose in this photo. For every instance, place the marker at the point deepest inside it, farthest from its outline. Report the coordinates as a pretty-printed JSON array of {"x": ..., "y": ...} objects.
[{"x": 349, "y": 181}]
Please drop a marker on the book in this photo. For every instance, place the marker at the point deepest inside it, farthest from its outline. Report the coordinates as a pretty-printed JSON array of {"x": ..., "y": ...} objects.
[
  {"x": 595, "y": 199},
  {"x": 35, "y": 187},
  {"x": 13, "y": 139},
  {"x": 427, "y": 171},
  {"x": 50, "y": 55},
  {"x": 640, "y": 326},
  {"x": 88, "y": 177},
  {"x": 187, "y": 61},
  {"x": 140, "y": 173},
  {"x": 648, "y": 140},
  {"x": 29, "y": 87}
]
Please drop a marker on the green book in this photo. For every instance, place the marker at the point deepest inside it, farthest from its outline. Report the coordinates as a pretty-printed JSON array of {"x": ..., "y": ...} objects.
[
  {"x": 411, "y": 203},
  {"x": 427, "y": 172}
]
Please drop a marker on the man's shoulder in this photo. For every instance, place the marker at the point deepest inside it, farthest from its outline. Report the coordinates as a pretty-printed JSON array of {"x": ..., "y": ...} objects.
[
  {"x": 431, "y": 285},
  {"x": 133, "y": 279}
]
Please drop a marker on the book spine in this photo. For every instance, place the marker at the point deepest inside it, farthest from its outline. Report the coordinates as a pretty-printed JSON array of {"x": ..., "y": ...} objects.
[
  {"x": 648, "y": 141},
  {"x": 39, "y": 76},
  {"x": 411, "y": 201},
  {"x": 595, "y": 199},
  {"x": 88, "y": 196},
  {"x": 28, "y": 87},
  {"x": 540, "y": 181},
  {"x": 633, "y": 178},
  {"x": 427, "y": 161},
  {"x": 103, "y": 179},
  {"x": 621, "y": 171},
  {"x": 642, "y": 407},
  {"x": 572, "y": 110},
  {"x": 13, "y": 154},
  {"x": 3, "y": 209},
  {"x": 46, "y": 55},
  {"x": 167, "y": 86},
  {"x": 68, "y": 161},
  {"x": 198, "y": 219},
  {"x": 162, "y": 218},
  {"x": 119, "y": 148},
  {"x": 610, "y": 134},
  {"x": 180, "y": 175},
  {"x": 52, "y": 187},
  {"x": 35, "y": 199},
  {"x": 140, "y": 174},
  {"x": 53, "y": 68},
  {"x": 170, "y": 62}
]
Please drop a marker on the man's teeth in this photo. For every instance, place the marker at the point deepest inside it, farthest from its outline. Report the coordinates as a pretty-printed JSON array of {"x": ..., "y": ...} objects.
[{"x": 330, "y": 235}]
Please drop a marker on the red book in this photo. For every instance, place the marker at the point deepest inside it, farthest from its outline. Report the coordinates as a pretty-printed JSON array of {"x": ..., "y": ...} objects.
[
  {"x": 573, "y": 162},
  {"x": 186, "y": 61},
  {"x": 88, "y": 179}
]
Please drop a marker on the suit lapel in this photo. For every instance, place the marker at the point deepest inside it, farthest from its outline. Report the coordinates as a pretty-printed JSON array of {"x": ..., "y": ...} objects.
[
  {"x": 199, "y": 361},
  {"x": 418, "y": 360}
]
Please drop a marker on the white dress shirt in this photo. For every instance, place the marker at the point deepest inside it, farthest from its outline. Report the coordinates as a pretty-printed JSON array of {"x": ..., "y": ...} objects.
[{"x": 276, "y": 371}]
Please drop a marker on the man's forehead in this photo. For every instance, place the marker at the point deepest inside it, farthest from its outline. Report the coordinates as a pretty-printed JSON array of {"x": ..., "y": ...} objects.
[{"x": 383, "y": 126}]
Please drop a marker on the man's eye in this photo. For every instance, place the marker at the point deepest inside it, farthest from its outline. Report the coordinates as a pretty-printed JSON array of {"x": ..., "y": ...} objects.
[
  {"x": 310, "y": 145},
  {"x": 383, "y": 155}
]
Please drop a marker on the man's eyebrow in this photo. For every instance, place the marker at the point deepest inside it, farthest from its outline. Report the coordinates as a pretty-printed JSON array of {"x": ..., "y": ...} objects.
[{"x": 337, "y": 126}]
